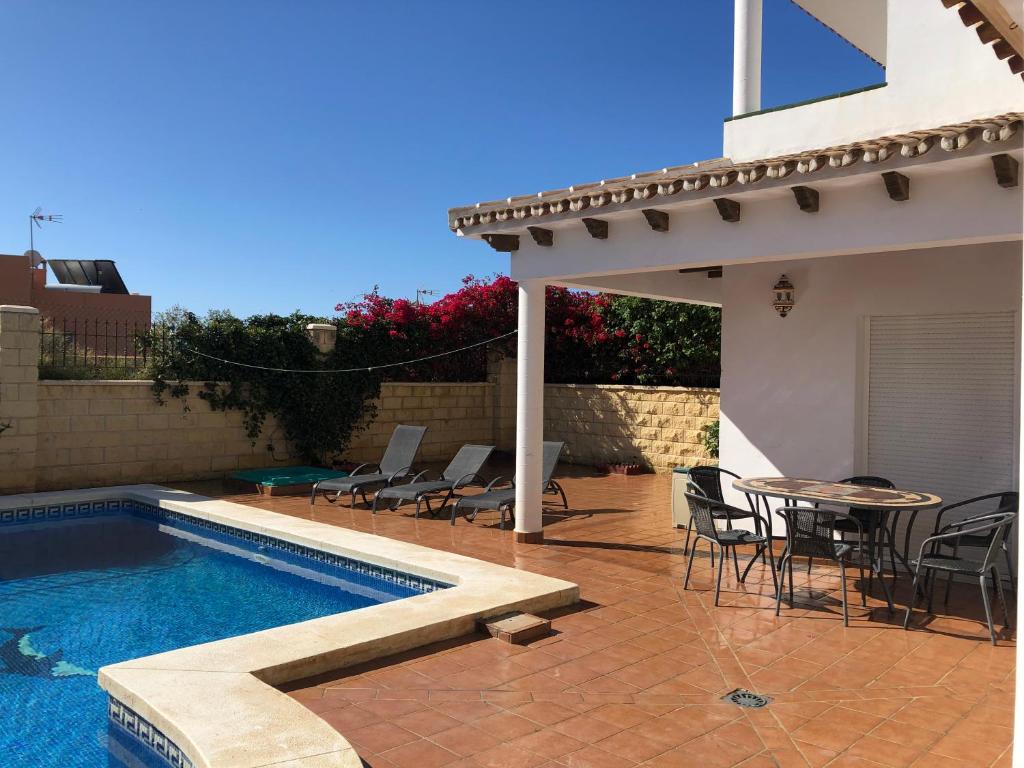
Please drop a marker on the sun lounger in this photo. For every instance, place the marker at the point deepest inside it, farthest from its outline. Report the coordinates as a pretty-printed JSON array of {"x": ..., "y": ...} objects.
[
  {"x": 396, "y": 464},
  {"x": 503, "y": 499},
  {"x": 463, "y": 469}
]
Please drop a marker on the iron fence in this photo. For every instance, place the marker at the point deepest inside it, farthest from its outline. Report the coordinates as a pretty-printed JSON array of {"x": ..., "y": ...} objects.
[{"x": 83, "y": 348}]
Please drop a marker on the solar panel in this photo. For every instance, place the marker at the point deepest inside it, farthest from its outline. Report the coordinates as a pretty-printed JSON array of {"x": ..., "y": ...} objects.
[{"x": 101, "y": 272}]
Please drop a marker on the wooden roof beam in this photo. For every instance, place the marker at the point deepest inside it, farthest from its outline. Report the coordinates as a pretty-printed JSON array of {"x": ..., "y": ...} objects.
[
  {"x": 541, "y": 236},
  {"x": 807, "y": 198},
  {"x": 1007, "y": 170},
  {"x": 598, "y": 228},
  {"x": 897, "y": 185},
  {"x": 728, "y": 209},
  {"x": 502, "y": 243},
  {"x": 657, "y": 219}
]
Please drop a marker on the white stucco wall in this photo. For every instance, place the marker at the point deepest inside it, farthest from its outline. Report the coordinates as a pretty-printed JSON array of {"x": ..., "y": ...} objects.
[
  {"x": 938, "y": 73},
  {"x": 791, "y": 387}
]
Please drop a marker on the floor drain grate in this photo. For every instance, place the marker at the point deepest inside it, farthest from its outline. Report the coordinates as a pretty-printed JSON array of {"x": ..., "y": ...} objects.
[{"x": 744, "y": 698}]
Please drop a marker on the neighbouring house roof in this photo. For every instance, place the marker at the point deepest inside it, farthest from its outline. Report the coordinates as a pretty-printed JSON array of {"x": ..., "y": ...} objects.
[
  {"x": 669, "y": 183},
  {"x": 998, "y": 23}
]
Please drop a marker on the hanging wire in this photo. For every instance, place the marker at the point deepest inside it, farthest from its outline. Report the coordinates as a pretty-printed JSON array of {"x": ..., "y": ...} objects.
[{"x": 361, "y": 369}]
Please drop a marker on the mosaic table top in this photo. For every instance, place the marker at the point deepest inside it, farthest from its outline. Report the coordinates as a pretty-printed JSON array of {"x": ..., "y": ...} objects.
[{"x": 843, "y": 494}]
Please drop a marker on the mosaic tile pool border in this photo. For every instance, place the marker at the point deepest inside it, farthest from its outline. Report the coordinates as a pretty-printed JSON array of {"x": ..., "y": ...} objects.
[
  {"x": 88, "y": 509},
  {"x": 147, "y": 734}
]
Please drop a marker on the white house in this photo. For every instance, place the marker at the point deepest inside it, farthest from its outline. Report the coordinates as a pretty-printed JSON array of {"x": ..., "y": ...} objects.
[{"x": 894, "y": 211}]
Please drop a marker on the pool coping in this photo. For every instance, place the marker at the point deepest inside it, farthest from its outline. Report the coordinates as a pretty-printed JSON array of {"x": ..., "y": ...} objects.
[{"x": 218, "y": 702}]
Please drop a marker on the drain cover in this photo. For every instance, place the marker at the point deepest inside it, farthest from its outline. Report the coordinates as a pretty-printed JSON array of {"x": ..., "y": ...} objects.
[{"x": 744, "y": 698}]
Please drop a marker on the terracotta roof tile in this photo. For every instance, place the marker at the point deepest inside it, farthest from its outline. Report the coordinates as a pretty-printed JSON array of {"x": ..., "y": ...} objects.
[{"x": 723, "y": 173}]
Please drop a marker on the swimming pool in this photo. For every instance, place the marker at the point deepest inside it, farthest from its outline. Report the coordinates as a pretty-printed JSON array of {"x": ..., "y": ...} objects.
[{"x": 93, "y": 583}]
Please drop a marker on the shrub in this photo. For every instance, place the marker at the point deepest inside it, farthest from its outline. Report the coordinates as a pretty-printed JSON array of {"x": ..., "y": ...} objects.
[
  {"x": 317, "y": 412},
  {"x": 590, "y": 338}
]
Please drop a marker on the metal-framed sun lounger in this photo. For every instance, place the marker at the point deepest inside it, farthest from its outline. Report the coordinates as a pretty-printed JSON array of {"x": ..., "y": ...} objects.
[
  {"x": 503, "y": 499},
  {"x": 463, "y": 469},
  {"x": 396, "y": 463}
]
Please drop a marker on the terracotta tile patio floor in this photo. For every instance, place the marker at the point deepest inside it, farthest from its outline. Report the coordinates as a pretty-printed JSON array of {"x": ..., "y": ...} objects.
[{"x": 635, "y": 675}]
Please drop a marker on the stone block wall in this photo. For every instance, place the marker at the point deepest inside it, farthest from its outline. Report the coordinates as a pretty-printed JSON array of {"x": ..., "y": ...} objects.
[
  {"x": 19, "y": 410},
  {"x": 454, "y": 414},
  {"x": 94, "y": 433},
  {"x": 115, "y": 432},
  {"x": 661, "y": 427},
  {"x": 73, "y": 434}
]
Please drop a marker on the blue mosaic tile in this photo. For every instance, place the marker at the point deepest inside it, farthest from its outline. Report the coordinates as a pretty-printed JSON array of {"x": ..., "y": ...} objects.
[
  {"x": 144, "y": 732},
  {"x": 297, "y": 554}
]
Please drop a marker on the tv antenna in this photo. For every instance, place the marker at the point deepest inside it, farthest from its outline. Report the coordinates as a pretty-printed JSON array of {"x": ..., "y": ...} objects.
[
  {"x": 423, "y": 292},
  {"x": 36, "y": 219}
]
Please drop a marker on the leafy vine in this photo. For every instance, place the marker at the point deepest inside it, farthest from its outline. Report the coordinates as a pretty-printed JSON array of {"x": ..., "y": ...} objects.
[{"x": 318, "y": 413}]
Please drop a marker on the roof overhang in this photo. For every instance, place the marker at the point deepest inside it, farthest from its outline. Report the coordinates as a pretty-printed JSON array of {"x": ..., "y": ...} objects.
[
  {"x": 721, "y": 180},
  {"x": 997, "y": 23}
]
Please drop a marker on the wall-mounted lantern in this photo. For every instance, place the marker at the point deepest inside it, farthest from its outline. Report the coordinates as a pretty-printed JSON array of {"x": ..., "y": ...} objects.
[{"x": 782, "y": 296}]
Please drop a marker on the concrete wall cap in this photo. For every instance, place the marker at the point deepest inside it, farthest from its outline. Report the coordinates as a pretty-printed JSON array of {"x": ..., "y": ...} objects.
[{"x": 19, "y": 309}]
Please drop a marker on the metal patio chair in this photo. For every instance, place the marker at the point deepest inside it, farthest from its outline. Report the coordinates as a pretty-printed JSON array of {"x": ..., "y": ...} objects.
[
  {"x": 811, "y": 533},
  {"x": 703, "y": 514},
  {"x": 992, "y": 527},
  {"x": 870, "y": 521},
  {"x": 462, "y": 470},
  {"x": 1006, "y": 501},
  {"x": 503, "y": 499},
  {"x": 707, "y": 481},
  {"x": 396, "y": 464}
]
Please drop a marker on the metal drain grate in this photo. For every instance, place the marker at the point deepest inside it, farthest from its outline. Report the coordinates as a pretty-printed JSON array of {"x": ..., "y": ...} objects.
[{"x": 744, "y": 698}]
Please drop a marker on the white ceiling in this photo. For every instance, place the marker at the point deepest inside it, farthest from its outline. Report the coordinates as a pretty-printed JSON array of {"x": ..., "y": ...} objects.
[{"x": 861, "y": 22}]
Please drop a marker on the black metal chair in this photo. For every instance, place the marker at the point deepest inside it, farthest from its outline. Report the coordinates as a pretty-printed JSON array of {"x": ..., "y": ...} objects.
[
  {"x": 811, "y": 533},
  {"x": 707, "y": 481},
  {"x": 1006, "y": 501},
  {"x": 993, "y": 528},
  {"x": 869, "y": 522},
  {"x": 703, "y": 514}
]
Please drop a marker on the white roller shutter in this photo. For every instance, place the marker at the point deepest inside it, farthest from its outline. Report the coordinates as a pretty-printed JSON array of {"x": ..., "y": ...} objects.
[{"x": 940, "y": 403}]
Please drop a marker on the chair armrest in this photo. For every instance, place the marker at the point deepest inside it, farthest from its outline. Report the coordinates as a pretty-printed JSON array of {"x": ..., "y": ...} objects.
[
  {"x": 399, "y": 473},
  {"x": 490, "y": 486},
  {"x": 999, "y": 520},
  {"x": 964, "y": 503},
  {"x": 737, "y": 513},
  {"x": 466, "y": 478},
  {"x": 849, "y": 518},
  {"x": 361, "y": 467},
  {"x": 421, "y": 475}
]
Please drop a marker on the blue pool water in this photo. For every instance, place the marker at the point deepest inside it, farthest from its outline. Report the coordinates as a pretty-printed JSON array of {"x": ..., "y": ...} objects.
[{"x": 77, "y": 595}]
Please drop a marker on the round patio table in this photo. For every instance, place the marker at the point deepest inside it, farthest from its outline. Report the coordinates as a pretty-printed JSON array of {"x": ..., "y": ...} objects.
[{"x": 859, "y": 497}]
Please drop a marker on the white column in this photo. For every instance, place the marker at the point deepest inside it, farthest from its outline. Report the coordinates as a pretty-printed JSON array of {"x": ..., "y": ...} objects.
[
  {"x": 530, "y": 411},
  {"x": 746, "y": 57}
]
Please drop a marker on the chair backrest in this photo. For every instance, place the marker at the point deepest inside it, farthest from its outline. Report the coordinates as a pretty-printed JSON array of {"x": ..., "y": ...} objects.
[
  {"x": 988, "y": 531},
  {"x": 709, "y": 480},
  {"x": 980, "y": 506},
  {"x": 402, "y": 448},
  {"x": 552, "y": 451},
  {"x": 468, "y": 461},
  {"x": 810, "y": 532},
  {"x": 701, "y": 513},
  {"x": 870, "y": 481}
]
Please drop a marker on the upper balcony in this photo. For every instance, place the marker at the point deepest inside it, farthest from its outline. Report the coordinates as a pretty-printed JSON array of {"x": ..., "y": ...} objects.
[{"x": 935, "y": 74}]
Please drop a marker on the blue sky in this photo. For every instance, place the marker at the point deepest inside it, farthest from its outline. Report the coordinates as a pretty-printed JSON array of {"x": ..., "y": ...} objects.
[{"x": 272, "y": 156}]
